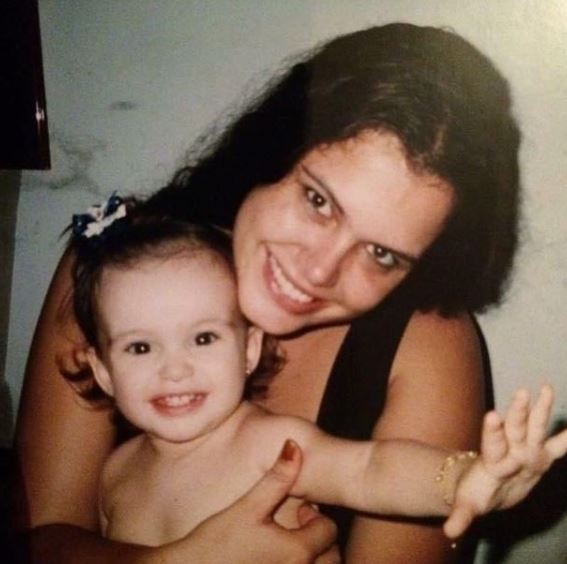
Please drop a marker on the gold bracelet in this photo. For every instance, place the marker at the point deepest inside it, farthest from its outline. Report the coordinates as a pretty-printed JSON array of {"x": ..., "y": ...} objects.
[{"x": 448, "y": 464}]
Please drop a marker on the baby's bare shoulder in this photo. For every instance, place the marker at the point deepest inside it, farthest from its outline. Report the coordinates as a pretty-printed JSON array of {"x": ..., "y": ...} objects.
[{"x": 270, "y": 431}]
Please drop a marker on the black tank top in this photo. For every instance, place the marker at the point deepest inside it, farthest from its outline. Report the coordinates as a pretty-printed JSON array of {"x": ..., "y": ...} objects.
[{"x": 356, "y": 390}]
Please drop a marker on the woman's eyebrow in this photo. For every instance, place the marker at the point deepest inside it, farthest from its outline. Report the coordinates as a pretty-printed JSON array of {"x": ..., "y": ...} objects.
[
  {"x": 410, "y": 259},
  {"x": 322, "y": 184}
]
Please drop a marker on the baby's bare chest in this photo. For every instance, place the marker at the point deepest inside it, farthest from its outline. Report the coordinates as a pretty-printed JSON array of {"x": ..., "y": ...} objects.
[
  {"x": 155, "y": 500},
  {"x": 165, "y": 501}
]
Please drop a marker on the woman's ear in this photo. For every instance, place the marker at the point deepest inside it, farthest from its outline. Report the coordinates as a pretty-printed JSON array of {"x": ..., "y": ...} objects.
[
  {"x": 253, "y": 348},
  {"x": 100, "y": 373}
]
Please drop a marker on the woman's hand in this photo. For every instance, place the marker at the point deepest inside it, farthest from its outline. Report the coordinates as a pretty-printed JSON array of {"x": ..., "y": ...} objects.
[
  {"x": 515, "y": 454},
  {"x": 245, "y": 532}
]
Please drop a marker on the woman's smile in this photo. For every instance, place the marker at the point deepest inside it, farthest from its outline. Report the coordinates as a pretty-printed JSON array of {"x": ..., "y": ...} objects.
[{"x": 285, "y": 291}]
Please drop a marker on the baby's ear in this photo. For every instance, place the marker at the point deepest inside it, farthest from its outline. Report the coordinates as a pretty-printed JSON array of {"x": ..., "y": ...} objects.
[
  {"x": 253, "y": 348},
  {"x": 100, "y": 373}
]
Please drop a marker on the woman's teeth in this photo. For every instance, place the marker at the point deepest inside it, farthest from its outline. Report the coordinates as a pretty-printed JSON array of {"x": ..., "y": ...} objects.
[{"x": 285, "y": 286}]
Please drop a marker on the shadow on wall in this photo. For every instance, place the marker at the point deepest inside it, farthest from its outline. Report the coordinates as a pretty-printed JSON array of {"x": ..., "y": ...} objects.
[
  {"x": 10, "y": 181},
  {"x": 6, "y": 415},
  {"x": 544, "y": 508}
]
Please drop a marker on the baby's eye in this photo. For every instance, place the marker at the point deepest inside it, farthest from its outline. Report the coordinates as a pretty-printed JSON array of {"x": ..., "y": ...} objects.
[
  {"x": 205, "y": 338},
  {"x": 318, "y": 202},
  {"x": 139, "y": 347},
  {"x": 383, "y": 257}
]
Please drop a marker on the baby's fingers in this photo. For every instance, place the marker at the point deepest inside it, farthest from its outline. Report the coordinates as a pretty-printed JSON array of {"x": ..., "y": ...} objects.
[
  {"x": 557, "y": 445},
  {"x": 459, "y": 521},
  {"x": 493, "y": 443},
  {"x": 539, "y": 416},
  {"x": 516, "y": 422}
]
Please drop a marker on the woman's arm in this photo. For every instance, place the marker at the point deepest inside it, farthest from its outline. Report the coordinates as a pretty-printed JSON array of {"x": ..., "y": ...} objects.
[
  {"x": 61, "y": 443},
  {"x": 435, "y": 395}
]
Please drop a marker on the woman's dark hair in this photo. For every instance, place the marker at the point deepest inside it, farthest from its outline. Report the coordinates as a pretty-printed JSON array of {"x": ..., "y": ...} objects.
[
  {"x": 129, "y": 240},
  {"x": 438, "y": 94}
]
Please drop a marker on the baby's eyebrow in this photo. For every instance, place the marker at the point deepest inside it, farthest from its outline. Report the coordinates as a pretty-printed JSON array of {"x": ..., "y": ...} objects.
[
  {"x": 123, "y": 335},
  {"x": 217, "y": 321}
]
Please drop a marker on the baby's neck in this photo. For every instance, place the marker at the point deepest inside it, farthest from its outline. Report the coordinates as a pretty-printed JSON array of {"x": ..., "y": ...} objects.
[{"x": 163, "y": 448}]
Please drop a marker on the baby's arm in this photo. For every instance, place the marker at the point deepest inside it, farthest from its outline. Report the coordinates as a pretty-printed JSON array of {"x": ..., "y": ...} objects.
[
  {"x": 410, "y": 478},
  {"x": 391, "y": 477}
]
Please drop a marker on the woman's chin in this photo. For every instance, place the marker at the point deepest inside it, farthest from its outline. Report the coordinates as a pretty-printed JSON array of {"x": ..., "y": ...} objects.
[
  {"x": 279, "y": 327},
  {"x": 273, "y": 320}
]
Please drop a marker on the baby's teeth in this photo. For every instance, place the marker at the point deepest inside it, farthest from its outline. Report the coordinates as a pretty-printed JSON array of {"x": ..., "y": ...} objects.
[
  {"x": 176, "y": 401},
  {"x": 286, "y": 286}
]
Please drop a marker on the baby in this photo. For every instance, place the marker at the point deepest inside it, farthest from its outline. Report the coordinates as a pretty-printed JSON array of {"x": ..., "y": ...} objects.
[{"x": 156, "y": 300}]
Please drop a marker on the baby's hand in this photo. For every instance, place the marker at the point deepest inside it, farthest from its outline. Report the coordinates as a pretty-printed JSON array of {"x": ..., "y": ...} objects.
[{"x": 514, "y": 455}]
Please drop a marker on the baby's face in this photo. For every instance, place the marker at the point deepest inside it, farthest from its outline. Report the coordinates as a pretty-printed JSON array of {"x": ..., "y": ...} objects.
[{"x": 175, "y": 347}]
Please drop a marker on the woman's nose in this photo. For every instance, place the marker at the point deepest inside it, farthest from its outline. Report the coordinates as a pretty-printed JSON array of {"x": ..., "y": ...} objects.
[
  {"x": 322, "y": 263},
  {"x": 176, "y": 367}
]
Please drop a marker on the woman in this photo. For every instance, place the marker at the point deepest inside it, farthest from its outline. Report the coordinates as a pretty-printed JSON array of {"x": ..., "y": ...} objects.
[{"x": 373, "y": 194}]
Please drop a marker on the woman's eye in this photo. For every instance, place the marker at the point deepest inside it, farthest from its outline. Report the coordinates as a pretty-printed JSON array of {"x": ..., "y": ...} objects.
[
  {"x": 138, "y": 348},
  {"x": 318, "y": 201},
  {"x": 383, "y": 257},
  {"x": 206, "y": 338}
]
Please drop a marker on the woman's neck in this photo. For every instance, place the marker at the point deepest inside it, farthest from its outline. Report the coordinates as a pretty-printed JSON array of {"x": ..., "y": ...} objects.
[{"x": 299, "y": 387}]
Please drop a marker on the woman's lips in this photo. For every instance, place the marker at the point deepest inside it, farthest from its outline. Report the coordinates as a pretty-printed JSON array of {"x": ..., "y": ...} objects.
[
  {"x": 178, "y": 404},
  {"x": 286, "y": 294}
]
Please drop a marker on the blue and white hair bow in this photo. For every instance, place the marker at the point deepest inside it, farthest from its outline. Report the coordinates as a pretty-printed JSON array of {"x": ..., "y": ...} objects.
[{"x": 97, "y": 218}]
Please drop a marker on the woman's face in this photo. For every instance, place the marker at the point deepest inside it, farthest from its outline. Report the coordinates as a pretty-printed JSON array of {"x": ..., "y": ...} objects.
[{"x": 336, "y": 235}]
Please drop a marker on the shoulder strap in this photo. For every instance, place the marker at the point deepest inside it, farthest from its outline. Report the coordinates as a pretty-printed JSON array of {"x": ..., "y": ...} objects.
[{"x": 356, "y": 390}]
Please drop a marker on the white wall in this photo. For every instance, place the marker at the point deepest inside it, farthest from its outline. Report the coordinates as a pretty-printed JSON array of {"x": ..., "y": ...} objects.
[{"x": 130, "y": 84}]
